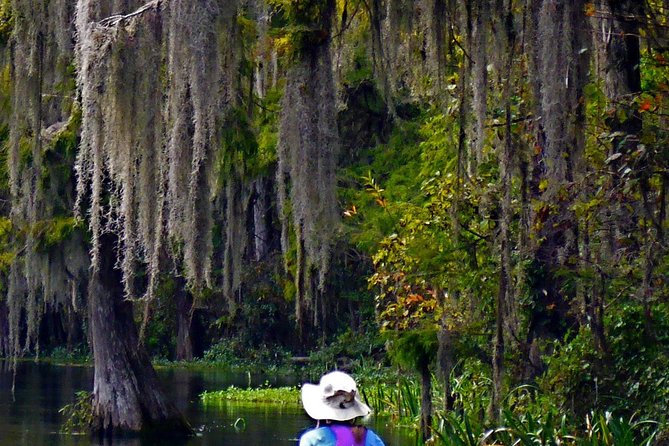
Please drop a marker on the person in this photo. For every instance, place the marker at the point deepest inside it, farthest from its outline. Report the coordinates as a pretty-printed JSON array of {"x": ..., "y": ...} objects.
[{"x": 335, "y": 405}]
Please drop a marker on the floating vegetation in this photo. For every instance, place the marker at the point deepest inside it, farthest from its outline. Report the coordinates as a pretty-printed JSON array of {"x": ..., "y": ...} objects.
[{"x": 283, "y": 396}]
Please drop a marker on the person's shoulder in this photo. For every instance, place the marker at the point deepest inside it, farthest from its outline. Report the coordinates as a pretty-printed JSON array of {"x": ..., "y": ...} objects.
[
  {"x": 319, "y": 436},
  {"x": 373, "y": 439}
]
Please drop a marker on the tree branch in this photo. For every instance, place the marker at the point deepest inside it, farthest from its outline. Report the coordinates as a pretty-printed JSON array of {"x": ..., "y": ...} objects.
[{"x": 114, "y": 20}]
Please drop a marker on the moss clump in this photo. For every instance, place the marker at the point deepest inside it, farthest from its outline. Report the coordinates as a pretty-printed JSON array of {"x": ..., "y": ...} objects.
[
  {"x": 52, "y": 232},
  {"x": 301, "y": 25},
  {"x": 66, "y": 141}
]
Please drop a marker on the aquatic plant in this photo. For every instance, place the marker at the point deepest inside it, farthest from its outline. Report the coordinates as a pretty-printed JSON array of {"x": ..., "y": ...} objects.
[
  {"x": 78, "y": 415},
  {"x": 282, "y": 396}
]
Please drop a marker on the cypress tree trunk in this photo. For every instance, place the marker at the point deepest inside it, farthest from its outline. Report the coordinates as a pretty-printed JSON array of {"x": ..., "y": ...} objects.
[{"x": 126, "y": 393}]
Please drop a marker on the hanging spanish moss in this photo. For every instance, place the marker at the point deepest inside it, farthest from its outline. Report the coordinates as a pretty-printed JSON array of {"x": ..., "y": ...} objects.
[
  {"x": 308, "y": 145},
  {"x": 237, "y": 198},
  {"x": 127, "y": 104},
  {"x": 399, "y": 41},
  {"x": 40, "y": 278},
  {"x": 560, "y": 41},
  {"x": 479, "y": 54},
  {"x": 200, "y": 88},
  {"x": 433, "y": 18},
  {"x": 265, "y": 61},
  {"x": 121, "y": 163},
  {"x": 121, "y": 132}
]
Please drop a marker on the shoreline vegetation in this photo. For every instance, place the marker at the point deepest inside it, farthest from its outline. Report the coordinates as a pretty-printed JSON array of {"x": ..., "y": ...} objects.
[
  {"x": 527, "y": 418},
  {"x": 399, "y": 402}
]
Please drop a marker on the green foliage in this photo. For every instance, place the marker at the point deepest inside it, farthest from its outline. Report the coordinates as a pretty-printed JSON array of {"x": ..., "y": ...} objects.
[
  {"x": 52, "y": 232},
  {"x": 79, "y": 414},
  {"x": 361, "y": 70},
  {"x": 574, "y": 369},
  {"x": 640, "y": 365},
  {"x": 160, "y": 332},
  {"x": 80, "y": 354},
  {"x": 266, "y": 121},
  {"x": 234, "y": 354},
  {"x": 629, "y": 378},
  {"x": 355, "y": 348},
  {"x": 6, "y": 22},
  {"x": 6, "y": 253},
  {"x": 223, "y": 352},
  {"x": 301, "y": 25},
  {"x": 547, "y": 429},
  {"x": 280, "y": 396},
  {"x": 397, "y": 397},
  {"x": 65, "y": 142},
  {"x": 4, "y": 164},
  {"x": 454, "y": 430},
  {"x": 239, "y": 142},
  {"x": 414, "y": 349},
  {"x": 57, "y": 171}
]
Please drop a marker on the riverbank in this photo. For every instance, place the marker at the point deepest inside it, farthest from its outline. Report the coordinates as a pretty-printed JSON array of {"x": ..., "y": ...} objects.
[{"x": 525, "y": 419}]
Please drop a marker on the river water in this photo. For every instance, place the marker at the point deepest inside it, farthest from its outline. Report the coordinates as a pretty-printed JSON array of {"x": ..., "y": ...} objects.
[{"x": 30, "y": 417}]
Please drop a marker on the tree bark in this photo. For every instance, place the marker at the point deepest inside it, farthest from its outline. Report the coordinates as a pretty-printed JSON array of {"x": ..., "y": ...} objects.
[
  {"x": 620, "y": 61},
  {"x": 4, "y": 330},
  {"x": 446, "y": 362},
  {"x": 556, "y": 164},
  {"x": 425, "y": 401},
  {"x": 381, "y": 66},
  {"x": 184, "y": 301},
  {"x": 504, "y": 297},
  {"x": 127, "y": 396},
  {"x": 261, "y": 227}
]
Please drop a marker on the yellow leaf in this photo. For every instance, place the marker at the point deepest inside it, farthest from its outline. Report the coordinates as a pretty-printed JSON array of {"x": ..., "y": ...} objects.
[
  {"x": 590, "y": 9},
  {"x": 543, "y": 185}
]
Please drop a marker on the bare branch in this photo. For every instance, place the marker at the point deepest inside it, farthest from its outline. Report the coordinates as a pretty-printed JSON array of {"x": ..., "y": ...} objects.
[{"x": 114, "y": 20}]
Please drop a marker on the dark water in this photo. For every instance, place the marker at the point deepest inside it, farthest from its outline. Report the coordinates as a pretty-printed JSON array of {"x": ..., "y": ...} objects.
[{"x": 30, "y": 417}]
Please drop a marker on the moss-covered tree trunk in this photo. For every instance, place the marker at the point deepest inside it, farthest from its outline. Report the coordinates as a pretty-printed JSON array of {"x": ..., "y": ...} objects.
[
  {"x": 127, "y": 396},
  {"x": 154, "y": 79},
  {"x": 620, "y": 63},
  {"x": 559, "y": 31},
  {"x": 261, "y": 218},
  {"x": 307, "y": 155},
  {"x": 184, "y": 303},
  {"x": 446, "y": 361}
]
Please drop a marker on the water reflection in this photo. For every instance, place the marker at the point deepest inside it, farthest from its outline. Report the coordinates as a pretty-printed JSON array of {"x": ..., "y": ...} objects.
[{"x": 31, "y": 416}]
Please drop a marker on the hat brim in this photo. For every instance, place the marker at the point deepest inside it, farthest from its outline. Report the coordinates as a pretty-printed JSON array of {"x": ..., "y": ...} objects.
[{"x": 316, "y": 408}]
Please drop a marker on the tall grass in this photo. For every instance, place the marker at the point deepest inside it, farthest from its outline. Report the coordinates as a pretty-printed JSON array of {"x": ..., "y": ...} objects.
[
  {"x": 400, "y": 400},
  {"x": 546, "y": 430},
  {"x": 523, "y": 423}
]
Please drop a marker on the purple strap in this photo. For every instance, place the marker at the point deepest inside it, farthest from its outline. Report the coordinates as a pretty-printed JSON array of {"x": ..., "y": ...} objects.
[{"x": 345, "y": 436}]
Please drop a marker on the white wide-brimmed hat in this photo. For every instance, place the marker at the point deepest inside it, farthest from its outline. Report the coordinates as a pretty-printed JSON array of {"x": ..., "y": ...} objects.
[{"x": 334, "y": 398}]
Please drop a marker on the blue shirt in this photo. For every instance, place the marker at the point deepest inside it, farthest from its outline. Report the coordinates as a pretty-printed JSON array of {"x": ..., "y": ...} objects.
[{"x": 323, "y": 436}]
